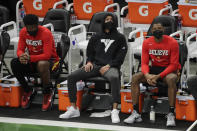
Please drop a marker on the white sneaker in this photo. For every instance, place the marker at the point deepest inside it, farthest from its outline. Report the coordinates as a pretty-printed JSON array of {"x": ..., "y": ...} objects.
[
  {"x": 134, "y": 117},
  {"x": 115, "y": 116},
  {"x": 70, "y": 113},
  {"x": 170, "y": 120}
]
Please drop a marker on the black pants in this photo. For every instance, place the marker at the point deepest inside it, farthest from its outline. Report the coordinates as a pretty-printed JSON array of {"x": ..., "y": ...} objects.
[
  {"x": 112, "y": 75},
  {"x": 21, "y": 70}
]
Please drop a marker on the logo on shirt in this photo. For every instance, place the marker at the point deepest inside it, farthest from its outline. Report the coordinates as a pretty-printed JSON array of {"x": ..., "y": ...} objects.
[
  {"x": 158, "y": 52},
  {"x": 34, "y": 42},
  {"x": 107, "y": 43}
]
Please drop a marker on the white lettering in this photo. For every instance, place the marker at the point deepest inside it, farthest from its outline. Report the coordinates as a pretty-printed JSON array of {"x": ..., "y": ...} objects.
[
  {"x": 87, "y": 7},
  {"x": 33, "y": 43},
  {"x": 158, "y": 52},
  {"x": 192, "y": 15},
  {"x": 37, "y": 4},
  {"x": 143, "y": 10}
]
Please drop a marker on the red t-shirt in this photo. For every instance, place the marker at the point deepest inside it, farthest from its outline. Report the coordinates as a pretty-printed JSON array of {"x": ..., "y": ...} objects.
[
  {"x": 40, "y": 47},
  {"x": 163, "y": 54}
]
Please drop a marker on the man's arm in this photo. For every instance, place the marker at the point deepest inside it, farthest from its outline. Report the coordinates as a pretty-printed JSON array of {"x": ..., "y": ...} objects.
[
  {"x": 21, "y": 44},
  {"x": 121, "y": 53},
  {"x": 47, "y": 48},
  {"x": 90, "y": 49},
  {"x": 145, "y": 59},
  {"x": 174, "y": 60}
]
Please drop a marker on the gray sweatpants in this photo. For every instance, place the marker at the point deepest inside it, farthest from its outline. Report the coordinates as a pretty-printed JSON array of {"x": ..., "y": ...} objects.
[
  {"x": 192, "y": 86},
  {"x": 112, "y": 75}
]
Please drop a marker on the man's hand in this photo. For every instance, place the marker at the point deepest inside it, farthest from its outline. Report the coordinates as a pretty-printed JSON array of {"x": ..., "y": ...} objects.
[
  {"x": 24, "y": 58},
  {"x": 152, "y": 79},
  {"x": 148, "y": 76},
  {"x": 104, "y": 69},
  {"x": 88, "y": 67}
]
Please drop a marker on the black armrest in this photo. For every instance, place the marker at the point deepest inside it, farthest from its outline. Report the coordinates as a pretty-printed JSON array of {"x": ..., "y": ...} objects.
[
  {"x": 125, "y": 13},
  {"x": 131, "y": 40}
]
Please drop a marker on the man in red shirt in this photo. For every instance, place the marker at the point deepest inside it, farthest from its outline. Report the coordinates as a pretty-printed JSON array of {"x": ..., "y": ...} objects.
[
  {"x": 163, "y": 52},
  {"x": 36, "y": 53}
]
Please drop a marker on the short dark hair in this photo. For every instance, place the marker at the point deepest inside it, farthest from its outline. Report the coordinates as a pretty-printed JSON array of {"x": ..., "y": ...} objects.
[
  {"x": 30, "y": 19},
  {"x": 158, "y": 23}
]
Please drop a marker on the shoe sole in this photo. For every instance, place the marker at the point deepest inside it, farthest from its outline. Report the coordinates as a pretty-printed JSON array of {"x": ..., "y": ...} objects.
[
  {"x": 136, "y": 121},
  {"x": 70, "y": 117},
  {"x": 171, "y": 125},
  {"x": 116, "y": 122},
  {"x": 27, "y": 106}
]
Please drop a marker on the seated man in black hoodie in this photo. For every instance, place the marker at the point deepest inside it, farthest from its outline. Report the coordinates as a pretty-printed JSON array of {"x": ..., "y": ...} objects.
[{"x": 105, "y": 54}]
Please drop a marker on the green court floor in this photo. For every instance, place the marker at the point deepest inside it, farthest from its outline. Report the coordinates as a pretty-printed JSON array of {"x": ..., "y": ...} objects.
[{"x": 28, "y": 127}]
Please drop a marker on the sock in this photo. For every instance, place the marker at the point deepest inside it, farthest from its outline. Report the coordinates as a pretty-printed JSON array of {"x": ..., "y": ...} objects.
[
  {"x": 171, "y": 109},
  {"x": 27, "y": 89},
  {"x": 47, "y": 88},
  {"x": 136, "y": 108}
]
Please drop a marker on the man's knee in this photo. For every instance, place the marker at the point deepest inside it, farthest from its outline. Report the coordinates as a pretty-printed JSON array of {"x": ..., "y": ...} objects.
[
  {"x": 112, "y": 75},
  {"x": 43, "y": 66},
  {"x": 113, "y": 78},
  {"x": 73, "y": 76},
  {"x": 136, "y": 78},
  {"x": 171, "y": 78}
]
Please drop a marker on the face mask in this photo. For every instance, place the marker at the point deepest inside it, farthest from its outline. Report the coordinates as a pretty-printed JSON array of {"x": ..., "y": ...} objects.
[
  {"x": 158, "y": 34},
  {"x": 109, "y": 25},
  {"x": 32, "y": 33}
]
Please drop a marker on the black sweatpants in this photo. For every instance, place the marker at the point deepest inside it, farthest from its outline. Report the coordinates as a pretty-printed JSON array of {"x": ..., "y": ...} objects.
[{"x": 112, "y": 75}]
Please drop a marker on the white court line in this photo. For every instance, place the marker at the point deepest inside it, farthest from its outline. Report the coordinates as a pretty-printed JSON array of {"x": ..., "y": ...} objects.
[{"x": 75, "y": 124}]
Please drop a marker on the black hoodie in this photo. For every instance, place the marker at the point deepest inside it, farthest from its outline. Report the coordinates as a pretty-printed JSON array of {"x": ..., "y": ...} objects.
[{"x": 107, "y": 48}]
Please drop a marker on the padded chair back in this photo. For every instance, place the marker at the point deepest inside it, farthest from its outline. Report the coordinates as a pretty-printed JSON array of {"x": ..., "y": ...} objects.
[
  {"x": 4, "y": 45},
  {"x": 62, "y": 50},
  {"x": 4, "y": 15},
  {"x": 60, "y": 19},
  {"x": 63, "y": 46},
  {"x": 168, "y": 22},
  {"x": 4, "y": 42},
  {"x": 183, "y": 52},
  {"x": 97, "y": 20}
]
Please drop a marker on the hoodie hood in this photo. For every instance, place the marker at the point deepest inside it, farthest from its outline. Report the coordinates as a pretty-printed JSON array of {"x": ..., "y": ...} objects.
[{"x": 113, "y": 24}]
